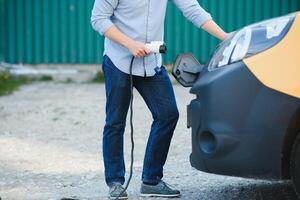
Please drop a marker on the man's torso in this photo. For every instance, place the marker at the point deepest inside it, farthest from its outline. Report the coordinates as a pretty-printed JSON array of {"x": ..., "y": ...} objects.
[{"x": 141, "y": 20}]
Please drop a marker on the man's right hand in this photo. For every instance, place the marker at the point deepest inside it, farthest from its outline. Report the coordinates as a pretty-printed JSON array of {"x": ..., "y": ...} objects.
[{"x": 138, "y": 49}]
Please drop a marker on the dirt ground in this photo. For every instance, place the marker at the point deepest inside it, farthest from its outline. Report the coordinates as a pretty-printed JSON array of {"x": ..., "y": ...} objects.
[{"x": 50, "y": 148}]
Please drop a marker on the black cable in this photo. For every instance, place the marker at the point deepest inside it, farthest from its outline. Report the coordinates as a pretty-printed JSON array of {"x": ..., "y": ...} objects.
[{"x": 131, "y": 129}]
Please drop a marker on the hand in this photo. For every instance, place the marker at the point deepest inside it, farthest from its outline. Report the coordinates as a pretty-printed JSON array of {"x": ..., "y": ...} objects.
[
  {"x": 138, "y": 49},
  {"x": 211, "y": 27}
]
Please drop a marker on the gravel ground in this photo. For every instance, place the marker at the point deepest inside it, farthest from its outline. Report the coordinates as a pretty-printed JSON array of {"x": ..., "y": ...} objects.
[{"x": 50, "y": 149}]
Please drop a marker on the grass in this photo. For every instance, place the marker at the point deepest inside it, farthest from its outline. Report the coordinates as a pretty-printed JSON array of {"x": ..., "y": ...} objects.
[
  {"x": 45, "y": 78},
  {"x": 99, "y": 78},
  {"x": 10, "y": 83}
]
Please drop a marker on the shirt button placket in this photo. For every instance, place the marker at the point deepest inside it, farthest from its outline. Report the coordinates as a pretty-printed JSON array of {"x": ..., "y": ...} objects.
[{"x": 148, "y": 36}]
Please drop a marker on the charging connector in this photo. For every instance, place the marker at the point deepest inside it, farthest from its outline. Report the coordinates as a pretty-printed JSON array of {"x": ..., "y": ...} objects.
[{"x": 157, "y": 47}]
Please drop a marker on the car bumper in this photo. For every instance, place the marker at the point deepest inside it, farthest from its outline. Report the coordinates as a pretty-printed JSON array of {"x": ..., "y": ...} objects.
[{"x": 238, "y": 124}]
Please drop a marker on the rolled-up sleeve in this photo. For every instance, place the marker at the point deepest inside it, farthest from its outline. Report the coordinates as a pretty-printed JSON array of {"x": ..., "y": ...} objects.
[
  {"x": 101, "y": 15},
  {"x": 192, "y": 10}
]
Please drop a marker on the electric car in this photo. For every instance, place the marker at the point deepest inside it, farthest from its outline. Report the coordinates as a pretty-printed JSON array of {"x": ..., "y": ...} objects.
[{"x": 245, "y": 119}]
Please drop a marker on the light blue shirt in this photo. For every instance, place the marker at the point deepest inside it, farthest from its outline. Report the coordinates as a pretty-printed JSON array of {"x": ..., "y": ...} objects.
[{"x": 142, "y": 20}]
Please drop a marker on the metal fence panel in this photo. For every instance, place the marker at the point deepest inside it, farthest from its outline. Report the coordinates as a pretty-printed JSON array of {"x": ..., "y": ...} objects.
[
  {"x": 1, "y": 30},
  {"x": 59, "y": 31}
]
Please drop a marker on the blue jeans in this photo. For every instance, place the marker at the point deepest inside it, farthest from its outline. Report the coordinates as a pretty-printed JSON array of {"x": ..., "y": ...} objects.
[{"x": 157, "y": 91}]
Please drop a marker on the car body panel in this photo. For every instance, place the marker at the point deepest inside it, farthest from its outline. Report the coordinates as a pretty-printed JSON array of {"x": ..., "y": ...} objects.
[
  {"x": 247, "y": 120},
  {"x": 279, "y": 67},
  {"x": 244, "y": 114}
]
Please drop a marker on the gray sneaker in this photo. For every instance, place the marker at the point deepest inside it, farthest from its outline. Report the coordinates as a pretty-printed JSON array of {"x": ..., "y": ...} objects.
[
  {"x": 160, "y": 190},
  {"x": 115, "y": 190}
]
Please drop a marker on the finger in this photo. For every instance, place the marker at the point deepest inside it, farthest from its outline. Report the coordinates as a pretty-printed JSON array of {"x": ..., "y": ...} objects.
[
  {"x": 142, "y": 53},
  {"x": 147, "y": 51},
  {"x": 139, "y": 55}
]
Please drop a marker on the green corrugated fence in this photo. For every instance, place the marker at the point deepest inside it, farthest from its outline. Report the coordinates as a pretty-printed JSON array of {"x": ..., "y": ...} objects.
[
  {"x": 59, "y": 31},
  {"x": 1, "y": 29}
]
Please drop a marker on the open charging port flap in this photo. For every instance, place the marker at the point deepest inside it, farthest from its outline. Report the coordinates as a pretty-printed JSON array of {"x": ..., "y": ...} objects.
[{"x": 186, "y": 69}]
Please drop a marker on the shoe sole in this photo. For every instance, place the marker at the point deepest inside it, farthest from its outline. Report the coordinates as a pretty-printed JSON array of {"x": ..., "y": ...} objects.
[
  {"x": 113, "y": 198},
  {"x": 160, "y": 195}
]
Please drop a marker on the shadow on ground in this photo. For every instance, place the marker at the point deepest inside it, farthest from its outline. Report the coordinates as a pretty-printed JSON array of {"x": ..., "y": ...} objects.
[{"x": 270, "y": 191}]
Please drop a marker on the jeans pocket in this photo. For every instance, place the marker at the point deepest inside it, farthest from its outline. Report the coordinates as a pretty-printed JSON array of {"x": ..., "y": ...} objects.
[
  {"x": 163, "y": 68},
  {"x": 163, "y": 71},
  {"x": 104, "y": 61},
  {"x": 108, "y": 65}
]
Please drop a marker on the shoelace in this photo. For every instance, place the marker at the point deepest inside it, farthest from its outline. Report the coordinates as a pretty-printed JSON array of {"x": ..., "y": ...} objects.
[
  {"x": 116, "y": 187},
  {"x": 167, "y": 185}
]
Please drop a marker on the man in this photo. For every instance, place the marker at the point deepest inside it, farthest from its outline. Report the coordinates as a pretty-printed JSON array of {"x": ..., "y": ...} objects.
[{"x": 127, "y": 25}]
